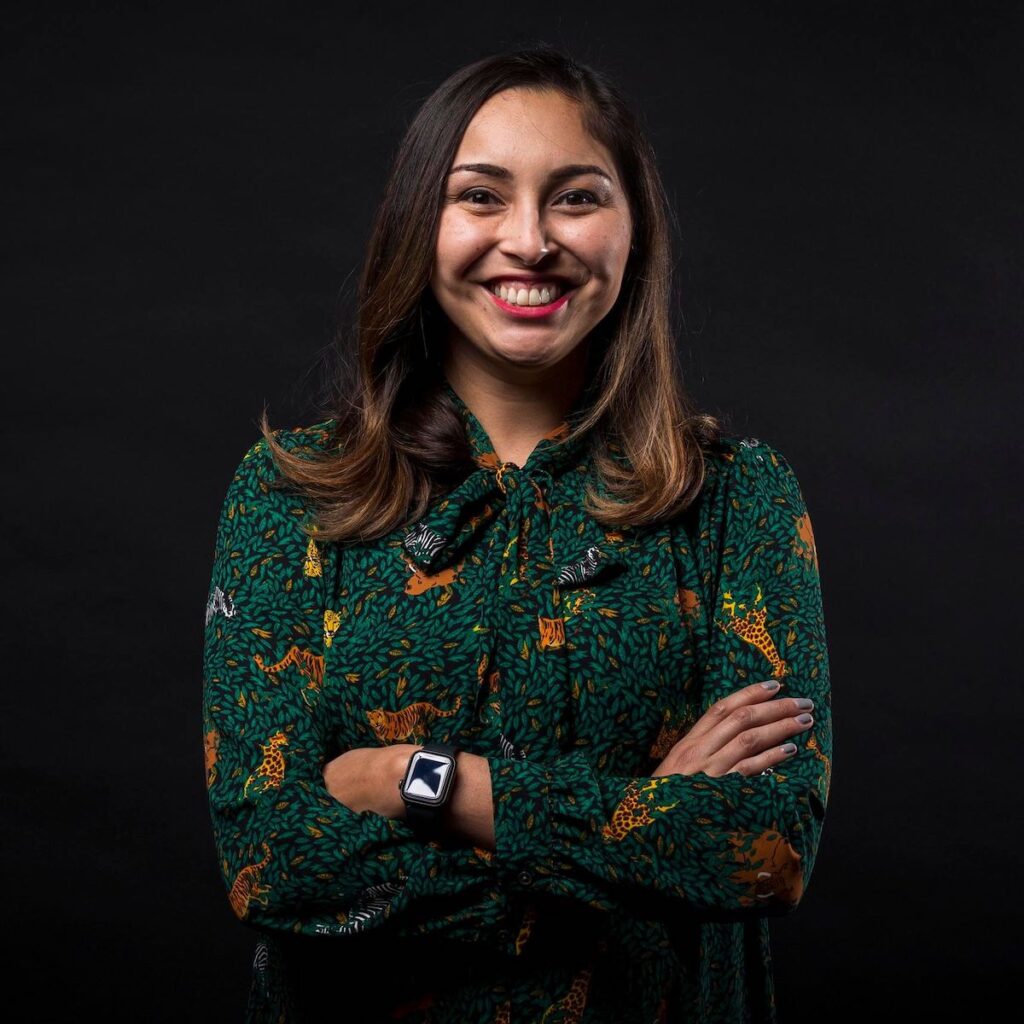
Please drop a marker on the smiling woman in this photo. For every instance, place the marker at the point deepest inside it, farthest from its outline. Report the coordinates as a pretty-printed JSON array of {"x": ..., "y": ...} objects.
[{"x": 510, "y": 656}]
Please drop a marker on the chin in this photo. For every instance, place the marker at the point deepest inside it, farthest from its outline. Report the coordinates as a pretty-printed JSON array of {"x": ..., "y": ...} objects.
[{"x": 528, "y": 355}]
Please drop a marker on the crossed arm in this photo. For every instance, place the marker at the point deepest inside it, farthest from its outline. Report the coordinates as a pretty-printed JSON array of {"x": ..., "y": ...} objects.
[{"x": 740, "y": 733}]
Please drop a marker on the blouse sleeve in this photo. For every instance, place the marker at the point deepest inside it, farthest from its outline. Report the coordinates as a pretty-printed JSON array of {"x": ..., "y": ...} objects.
[
  {"x": 292, "y": 857},
  {"x": 717, "y": 846}
]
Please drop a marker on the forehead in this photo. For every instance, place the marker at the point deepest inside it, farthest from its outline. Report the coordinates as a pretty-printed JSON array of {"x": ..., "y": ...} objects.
[{"x": 519, "y": 126}]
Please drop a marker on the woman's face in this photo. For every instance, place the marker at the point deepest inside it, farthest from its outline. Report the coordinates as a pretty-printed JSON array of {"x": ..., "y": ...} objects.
[{"x": 496, "y": 219}]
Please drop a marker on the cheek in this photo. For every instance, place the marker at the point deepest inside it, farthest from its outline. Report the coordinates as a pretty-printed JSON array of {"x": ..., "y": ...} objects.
[
  {"x": 459, "y": 244},
  {"x": 603, "y": 247},
  {"x": 606, "y": 265}
]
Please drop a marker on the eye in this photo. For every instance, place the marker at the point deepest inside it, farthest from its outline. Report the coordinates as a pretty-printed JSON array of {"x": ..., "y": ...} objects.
[
  {"x": 474, "y": 192},
  {"x": 582, "y": 192}
]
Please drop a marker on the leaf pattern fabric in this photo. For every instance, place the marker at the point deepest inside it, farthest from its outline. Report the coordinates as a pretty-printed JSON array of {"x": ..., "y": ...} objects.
[{"x": 509, "y": 623}]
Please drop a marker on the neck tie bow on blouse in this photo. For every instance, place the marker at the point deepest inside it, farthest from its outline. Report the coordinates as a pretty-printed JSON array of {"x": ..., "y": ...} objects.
[
  {"x": 535, "y": 544},
  {"x": 523, "y": 493}
]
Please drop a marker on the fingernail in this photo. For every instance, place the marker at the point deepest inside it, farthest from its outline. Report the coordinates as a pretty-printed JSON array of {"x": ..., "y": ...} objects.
[
  {"x": 789, "y": 748},
  {"x": 804, "y": 719},
  {"x": 771, "y": 684}
]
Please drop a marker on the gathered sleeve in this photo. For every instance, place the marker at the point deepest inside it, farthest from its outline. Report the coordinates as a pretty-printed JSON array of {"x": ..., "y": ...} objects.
[
  {"x": 292, "y": 857},
  {"x": 721, "y": 847}
]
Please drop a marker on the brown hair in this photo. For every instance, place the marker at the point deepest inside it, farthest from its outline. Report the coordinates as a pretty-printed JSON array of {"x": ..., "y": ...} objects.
[{"x": 398, "y": 440}]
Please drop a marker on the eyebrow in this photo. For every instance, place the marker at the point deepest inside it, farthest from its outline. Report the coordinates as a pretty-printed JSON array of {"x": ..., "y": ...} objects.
[{"x": 559, "y": 174}]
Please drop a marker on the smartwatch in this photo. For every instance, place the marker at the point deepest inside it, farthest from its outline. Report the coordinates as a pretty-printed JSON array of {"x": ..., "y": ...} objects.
[{"x": 427, "y": 786}]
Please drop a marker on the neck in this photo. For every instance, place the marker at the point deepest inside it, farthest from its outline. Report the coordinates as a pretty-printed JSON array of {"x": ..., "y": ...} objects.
[{"x": 517, "y": 409}]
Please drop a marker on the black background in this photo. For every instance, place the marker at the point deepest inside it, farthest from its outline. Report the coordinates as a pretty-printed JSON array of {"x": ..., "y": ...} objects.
[{"x": 186, "y": 202}]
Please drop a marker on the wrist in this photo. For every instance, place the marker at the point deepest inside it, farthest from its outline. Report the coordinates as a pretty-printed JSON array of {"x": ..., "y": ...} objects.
[
  {"x": 431, "y": 772},
  {"x": 400, "y": 754},
  {"x": 470, "y": 812}
]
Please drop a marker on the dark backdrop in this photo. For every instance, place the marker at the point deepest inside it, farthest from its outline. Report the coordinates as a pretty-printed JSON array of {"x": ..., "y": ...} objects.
[{"x": 186, "y": 203}]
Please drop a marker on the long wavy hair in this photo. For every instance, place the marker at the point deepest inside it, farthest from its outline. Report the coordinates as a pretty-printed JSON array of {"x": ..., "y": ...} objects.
[{"x": 396, "y": 441}]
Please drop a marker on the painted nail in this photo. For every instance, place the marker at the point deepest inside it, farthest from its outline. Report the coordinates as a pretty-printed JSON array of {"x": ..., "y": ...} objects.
[
  {"x": 804, "y": 702},
  {"x": 804, "y": 719},
  {"x": 771, "y": 684},
  {"x": 789, "y": 748}
]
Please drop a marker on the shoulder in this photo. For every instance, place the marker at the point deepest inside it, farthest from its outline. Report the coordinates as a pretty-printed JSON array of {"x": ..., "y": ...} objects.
[
  {"x": 263, "y": 532},
  {"x": 748, "y": 474},
  {"x": 304, "y": 442},
  {"x": 750, "y": 497},
  {"x": 311, "y": 440},
  {"x": 746, "y": 459},
  {"x": 256, "y": 495},
  {"x": 257, "y": 469}
]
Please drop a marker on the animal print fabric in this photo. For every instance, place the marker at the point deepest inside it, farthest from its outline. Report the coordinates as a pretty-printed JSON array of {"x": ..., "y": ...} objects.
[{"x": 509, "y": 623}]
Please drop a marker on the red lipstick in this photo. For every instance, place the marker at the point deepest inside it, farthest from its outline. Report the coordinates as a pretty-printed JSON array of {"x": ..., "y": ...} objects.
[{"x": 528, "y": 312}]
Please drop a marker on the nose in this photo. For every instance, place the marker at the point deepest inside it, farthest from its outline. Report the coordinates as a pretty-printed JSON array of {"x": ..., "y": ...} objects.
[{"x": 525, "y": 236}]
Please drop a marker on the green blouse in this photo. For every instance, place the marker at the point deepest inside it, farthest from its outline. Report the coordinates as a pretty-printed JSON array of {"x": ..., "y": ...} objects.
[{"x": 572, "y": 657}]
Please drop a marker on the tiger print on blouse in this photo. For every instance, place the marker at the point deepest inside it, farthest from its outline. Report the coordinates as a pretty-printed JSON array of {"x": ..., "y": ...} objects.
[
  {"x": 246, "y": 887},
  {"x": 410, "y": 724}
]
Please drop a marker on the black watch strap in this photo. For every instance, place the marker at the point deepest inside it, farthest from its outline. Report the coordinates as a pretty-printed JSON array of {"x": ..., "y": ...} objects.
[{"x": 422, "y": 819}]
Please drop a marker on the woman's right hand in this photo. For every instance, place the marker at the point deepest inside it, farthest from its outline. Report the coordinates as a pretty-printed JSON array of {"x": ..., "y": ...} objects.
[{"x": 742, "y": 732}]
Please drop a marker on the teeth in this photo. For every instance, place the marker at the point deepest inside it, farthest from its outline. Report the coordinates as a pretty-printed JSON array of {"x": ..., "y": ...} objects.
[{"x": 519, "y": 295}]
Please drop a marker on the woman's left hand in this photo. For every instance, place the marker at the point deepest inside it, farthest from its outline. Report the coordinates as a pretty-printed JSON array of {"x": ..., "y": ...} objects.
[{"x": 366, "y": 778}]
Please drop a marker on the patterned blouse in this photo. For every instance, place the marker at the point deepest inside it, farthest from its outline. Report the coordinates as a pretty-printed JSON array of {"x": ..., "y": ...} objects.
[{"x": 509, "y": 623}]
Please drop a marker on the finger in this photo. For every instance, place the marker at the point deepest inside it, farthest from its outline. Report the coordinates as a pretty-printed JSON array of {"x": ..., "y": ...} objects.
[
  {"x": 751, "y": 743},
  {"x": 769, "y": 759},
  {"x": 755, "y": 693},
  {"x": 727, "y": 721}
]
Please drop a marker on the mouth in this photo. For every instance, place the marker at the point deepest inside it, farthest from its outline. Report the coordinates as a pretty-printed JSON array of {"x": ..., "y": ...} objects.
[{"x": 526, "y": 310}]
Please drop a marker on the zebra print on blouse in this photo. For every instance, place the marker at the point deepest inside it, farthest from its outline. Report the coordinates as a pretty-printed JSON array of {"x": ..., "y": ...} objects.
[{"x": 583, "y": 570}]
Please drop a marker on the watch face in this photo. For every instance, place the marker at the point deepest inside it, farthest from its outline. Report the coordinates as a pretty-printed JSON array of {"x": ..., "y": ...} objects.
[{"x": 427, "y": 778}]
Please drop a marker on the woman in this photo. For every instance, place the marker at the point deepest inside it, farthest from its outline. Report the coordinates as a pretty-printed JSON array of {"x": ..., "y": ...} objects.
[{"x": 510, "y": 659}]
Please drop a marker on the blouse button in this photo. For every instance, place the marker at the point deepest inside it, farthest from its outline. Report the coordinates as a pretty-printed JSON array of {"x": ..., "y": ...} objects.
[
  {"x": 525, "y": 878},
  {"x": 504, "y": 935}
]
